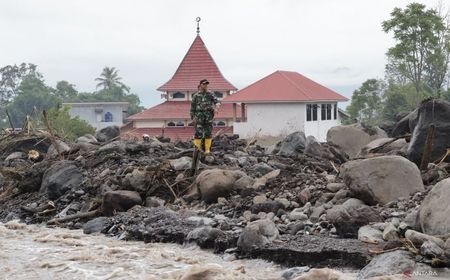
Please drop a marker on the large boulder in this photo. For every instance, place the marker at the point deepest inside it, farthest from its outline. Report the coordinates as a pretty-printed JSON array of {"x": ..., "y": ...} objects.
[
  {"x": 59, "y": 178},
  {"x": 87, "y": 138},
  {"x": 293, "y": 143},
  {"x": 137, "y": 181},
  {"x": 62, "y": 147},
  {"x": 107, "y": 133},
  {"x": 214, "y": 183},
  {"x": 119, "y": 201},
  {"x": 383, "y": 146},
  {"x": 257, "y": 234},
  {"x": 382, "y": 179},
  {"x": 434, "y": 213},
  {"x": 182, "y": 163},
  {"x": 350, "y": 216},
  {"x": 352, "y": 138},
  {"x": 405, "y": 125},
  {"x": 431, "y": 112},
  {"x": 397, "y": 262},
  {"x": 313, "y": 147}
]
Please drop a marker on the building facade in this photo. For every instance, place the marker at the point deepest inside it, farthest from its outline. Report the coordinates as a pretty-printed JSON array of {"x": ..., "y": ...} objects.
[
  {"x": 171, "y": 118},
  {"x": 285, "y": 102},
  {"x": 99, "y": 114}
]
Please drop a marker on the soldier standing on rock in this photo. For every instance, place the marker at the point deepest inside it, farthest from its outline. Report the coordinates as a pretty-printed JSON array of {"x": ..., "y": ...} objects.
[{"x": 203, "y": 107}]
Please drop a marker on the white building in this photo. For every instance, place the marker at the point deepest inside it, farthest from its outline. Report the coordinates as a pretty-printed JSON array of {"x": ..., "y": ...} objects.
[
  {"x": 285, "y": 102},
  {"x": 99, "y": 114}
]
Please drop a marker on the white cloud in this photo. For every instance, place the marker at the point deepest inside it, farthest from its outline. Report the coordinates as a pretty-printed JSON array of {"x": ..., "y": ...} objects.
[{"x": 337, "y": 43}]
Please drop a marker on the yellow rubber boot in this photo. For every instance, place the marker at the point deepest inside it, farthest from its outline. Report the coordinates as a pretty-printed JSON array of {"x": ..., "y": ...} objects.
[
  {"x": 198, "y": 143},
  {"x": 208, "y": 142}
]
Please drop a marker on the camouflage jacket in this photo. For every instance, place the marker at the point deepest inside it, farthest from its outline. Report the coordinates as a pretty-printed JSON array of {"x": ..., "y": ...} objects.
[{"x": 202, "y": 106}]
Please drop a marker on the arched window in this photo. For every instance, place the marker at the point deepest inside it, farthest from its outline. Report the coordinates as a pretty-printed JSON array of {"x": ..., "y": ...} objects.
[
  {"x": 180, "y": 123},
  {"x": 170, "y": 124},
  {"x": 221, "y": 123},
  {"x": 108, "y": 117},
  {"x": 218, "y": 94},
  {"x": 178, "y": 95}
]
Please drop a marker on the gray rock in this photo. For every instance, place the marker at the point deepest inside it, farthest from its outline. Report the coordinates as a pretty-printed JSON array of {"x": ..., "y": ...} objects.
[
  {"x": 436, "y": 112},
  {"x": 136, "y": 181},
  {"x": 434, "y": 213},
  {"x": 59, "y": 178},
  {"x": 313, "y": 147},
  {"x": 390, "y": 232},
  {"x": 182, "y": 163},
  {"x": 15, "y": 155},
  {"x": 350, "y": 216},
  {"x": 262, "y": 181},
  {"x": 411, "y": 219},
  {"x": 244, "y": 182},
  {"x": 153, "y": 201},
  {"x": 405, "y": 125},
  {"x": 352, "y": 138},
  {"x": 296, "y": 215},
  {"x": 391, "y": 263},
  {"x": 53, "y": 152},
  {"x": 259, "y": 199},
  {"x": 382, "y": 145},
  {"x": 369, "y": 233},
  {"x": 335, "y": 187},
  {"x": 293, "y": 272},
  {"x": 113, "y": 147},
  {"x": 199, "y": 221},
  {"x": 96, "y": 225},
  {"x": 119, "y": 201},
  {"x": 382, "y": 179},
  {"x": 213, "y": 183},
  {"x": 107, "y": 133},
  {"x": 419, "y": 238},
  {"x": 267, "y": 207},
  {"x": 257, "y": 234},
  {"x": 293, "y": 143},
  {"x": 262, "y": 168},
  {"x": 205, "y": 237},
  {"x": 316, "y": 213},
  {"x": 432, "y": 250},
  {"x": 88, "y": 138}
]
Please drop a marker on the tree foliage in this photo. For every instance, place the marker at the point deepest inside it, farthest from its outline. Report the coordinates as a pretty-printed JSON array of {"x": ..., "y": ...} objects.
[
  {"x": 366, "y": 101},
  {"x": 109, "y": 79},
  {"x": 420, "y": 54},
  {"x": 66, "y": 126}
]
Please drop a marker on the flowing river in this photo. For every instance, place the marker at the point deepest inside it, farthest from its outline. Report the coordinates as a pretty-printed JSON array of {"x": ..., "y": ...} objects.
[{"x": 37, "y": 252}]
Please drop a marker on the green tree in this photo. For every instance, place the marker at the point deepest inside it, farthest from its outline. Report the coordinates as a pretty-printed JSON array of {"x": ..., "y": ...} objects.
[
  {"x": 417, "y": 54},
  {"x": 395, "y": 100},
  {"x": 109, "y": 79},
  {"x": 33, "y": 96},
  {"x": 66, "y": 126},
  {"x": 65, "y": 90},
  {"x": 366, "y": 102}
]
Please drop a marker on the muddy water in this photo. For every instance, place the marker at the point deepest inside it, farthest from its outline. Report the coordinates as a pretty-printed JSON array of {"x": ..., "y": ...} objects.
[{"x": 36, "y": 252}]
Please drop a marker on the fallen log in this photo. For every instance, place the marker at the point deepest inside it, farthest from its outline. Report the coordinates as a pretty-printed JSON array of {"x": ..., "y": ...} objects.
[{"x": 83, "y": 215}]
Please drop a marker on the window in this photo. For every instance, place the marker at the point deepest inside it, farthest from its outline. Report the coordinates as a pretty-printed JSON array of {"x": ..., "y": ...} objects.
[
  {"x": 325, "y": 112},
  {"x": 311, "y": 112},
  {"x": 335, "y": 111},
  {"x": 328, "y": 111},
  {"x": 170, "y": 124},
  {"x": 180, "y": 123},
  {"x": 218, "y": 94},
  {"x": 221, "y": 123},
  {"x": 178, "y": 95},
  {"x": 108, "y": 117}
]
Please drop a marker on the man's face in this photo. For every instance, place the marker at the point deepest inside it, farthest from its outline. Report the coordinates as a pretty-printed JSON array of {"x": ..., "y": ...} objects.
[{"x": 204, "y": 87}]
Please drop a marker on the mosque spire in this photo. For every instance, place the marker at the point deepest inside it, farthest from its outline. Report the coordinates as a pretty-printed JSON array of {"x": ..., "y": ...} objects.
[{"x": 198, "y": 25}]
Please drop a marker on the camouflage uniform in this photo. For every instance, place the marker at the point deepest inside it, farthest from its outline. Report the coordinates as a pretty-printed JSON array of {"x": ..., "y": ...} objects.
[{"x": 202, "y": 113}]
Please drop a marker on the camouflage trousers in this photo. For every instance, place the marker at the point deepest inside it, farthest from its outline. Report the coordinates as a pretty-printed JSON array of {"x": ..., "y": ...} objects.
[{"x": 203, "y": 129}]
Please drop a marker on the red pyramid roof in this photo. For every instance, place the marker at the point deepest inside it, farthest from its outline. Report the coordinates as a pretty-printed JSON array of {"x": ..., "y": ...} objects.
[
  {"x": 172, "y": 110},
  {"x": 284, "y": 86},
  {"x": 197, "y": 64}
]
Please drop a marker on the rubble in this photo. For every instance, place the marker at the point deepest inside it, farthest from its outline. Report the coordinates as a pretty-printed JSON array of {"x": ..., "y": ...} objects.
[{"x": 304, "y": 204}]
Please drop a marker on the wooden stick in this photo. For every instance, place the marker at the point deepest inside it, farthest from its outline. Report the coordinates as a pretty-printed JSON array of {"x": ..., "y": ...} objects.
[{"x": 50, "y": 130}]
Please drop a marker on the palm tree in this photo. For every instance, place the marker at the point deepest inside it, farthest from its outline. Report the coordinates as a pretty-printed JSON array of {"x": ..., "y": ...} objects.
[{"x": 109, "y": 79}]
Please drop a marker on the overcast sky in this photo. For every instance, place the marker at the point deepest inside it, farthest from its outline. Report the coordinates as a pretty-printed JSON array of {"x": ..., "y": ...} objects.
[{"x": 338, "y": 43}]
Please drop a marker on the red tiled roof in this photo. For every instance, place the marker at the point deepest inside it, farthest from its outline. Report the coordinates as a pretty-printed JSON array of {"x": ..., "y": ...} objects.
[
  {"x": 174, "y": 133},
  {"x": 197, "y": 64},
  {"x": 179, "y": 110},
  {"x": 284, "y": 86}
]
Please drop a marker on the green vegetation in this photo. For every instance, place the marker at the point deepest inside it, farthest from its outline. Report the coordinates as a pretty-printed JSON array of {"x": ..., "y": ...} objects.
[
  {"x": 23, "y": 92},
  {"x": 417, "y": 66}
]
